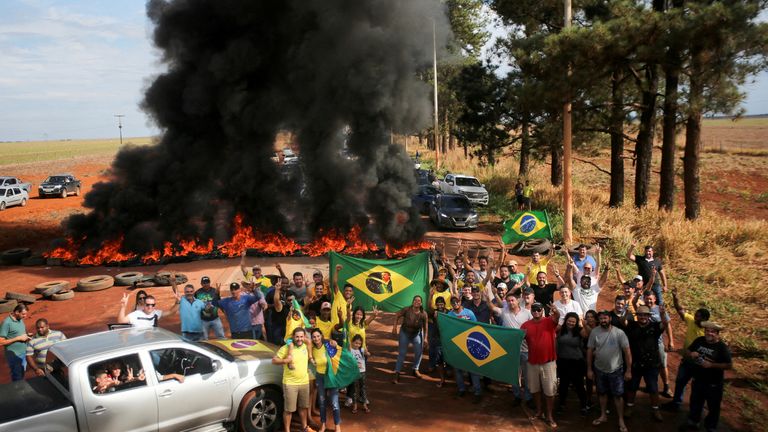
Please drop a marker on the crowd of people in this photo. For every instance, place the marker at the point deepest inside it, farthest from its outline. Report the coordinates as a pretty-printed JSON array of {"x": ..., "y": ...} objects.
[{"x": 569, "y": 344}]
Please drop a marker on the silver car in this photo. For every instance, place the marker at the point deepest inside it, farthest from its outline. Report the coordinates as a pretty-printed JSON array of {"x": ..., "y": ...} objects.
[{"x": 11, "y": 196}]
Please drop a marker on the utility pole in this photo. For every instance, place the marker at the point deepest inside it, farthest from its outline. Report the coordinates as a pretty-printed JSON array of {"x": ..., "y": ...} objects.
[
  {"x": 120, "y": 126},
  {"x": 434, "y": 69},
  {"x": 567, "y": 165}
]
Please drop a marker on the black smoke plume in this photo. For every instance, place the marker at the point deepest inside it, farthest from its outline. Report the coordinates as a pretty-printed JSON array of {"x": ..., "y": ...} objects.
[{"x": 336, "y": 73}]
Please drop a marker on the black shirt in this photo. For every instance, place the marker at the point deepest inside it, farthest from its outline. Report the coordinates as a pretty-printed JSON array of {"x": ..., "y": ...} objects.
[
  {"x": 644, "y": 344},
  {"x": 644, "y": 268},
  {"x": 277, "y": 318},
  {"x": 315, "y": 305},
  {"x": 716, "y": 353},
  {"x": 482, "y": 311},
  {"x": 544, "y": 295},
  {"x": 617, "y": 321}
]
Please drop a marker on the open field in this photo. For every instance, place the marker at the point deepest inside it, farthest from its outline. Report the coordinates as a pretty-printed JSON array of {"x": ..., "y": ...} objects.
[
  {"x": 13, "y": 153},
  {"x": 749, "y": 135}
]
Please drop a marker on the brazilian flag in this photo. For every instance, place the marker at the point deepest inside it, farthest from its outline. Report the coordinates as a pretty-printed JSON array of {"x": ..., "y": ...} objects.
[
  {"x": 342, "y": 367},
  {"x": 488, "y": 350},
  {"x": 527, "y": 225},
  {"x": 390, "y": 284}
]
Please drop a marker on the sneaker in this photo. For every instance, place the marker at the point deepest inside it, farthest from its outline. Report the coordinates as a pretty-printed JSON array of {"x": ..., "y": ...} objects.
[
  {"x": 348, "y": 403},
  {"x": 656, "y": 413}
]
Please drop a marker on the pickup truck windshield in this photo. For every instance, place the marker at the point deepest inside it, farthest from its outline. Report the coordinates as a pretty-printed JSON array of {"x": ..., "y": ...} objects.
[
  {"x": 56, "y": 179},
  {"x": 455, "y": 203},
  {"x": 216, "y": 350},
  {"x": 467, "y": 181}
]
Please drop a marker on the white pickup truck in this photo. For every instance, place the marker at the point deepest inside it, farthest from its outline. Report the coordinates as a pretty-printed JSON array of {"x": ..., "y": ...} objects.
[
  {"x": 465, "y": 185},
  {"x": 226, "y": 384},
  {"x": 6, "y": 181}
]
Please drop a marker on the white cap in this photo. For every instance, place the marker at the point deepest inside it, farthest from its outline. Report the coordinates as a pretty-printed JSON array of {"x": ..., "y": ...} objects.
[
  {"x": 637, "y": 277},
  {"x": 501, "y": 285}
]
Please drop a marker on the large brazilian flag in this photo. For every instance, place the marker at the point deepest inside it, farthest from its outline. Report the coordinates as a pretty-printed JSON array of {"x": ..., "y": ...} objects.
[
  {"x": 342, "y": 366},
  {"x": 526, "y": 225},
  {"x": 390, "y": 284},
  {"x": 488, "y": 350}
]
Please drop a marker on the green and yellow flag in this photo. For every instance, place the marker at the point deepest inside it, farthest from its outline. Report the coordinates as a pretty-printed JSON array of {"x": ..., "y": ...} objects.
[
  {"x": 342, "y": 366},
  {"x": 390, "y": 284},
  {"x": 488, "y": 350},
  {"x": 527, "y": 225}
]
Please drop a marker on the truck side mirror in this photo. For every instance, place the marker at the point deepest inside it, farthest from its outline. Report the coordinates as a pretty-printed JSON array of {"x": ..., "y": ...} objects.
[{"x": 215, "y": 365}]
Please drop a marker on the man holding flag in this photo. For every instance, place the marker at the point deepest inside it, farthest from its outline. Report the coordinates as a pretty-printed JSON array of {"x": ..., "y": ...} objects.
[
  {"x": 295, "y": 361},
  {"x": 458, "y": 311}
]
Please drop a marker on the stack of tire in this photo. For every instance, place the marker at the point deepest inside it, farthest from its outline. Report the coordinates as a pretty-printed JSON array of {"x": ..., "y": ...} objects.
[
  {"x": 56, "y": 290},
  {"x": 139, "y": 280},
  {"x": 14, "y": 256}
]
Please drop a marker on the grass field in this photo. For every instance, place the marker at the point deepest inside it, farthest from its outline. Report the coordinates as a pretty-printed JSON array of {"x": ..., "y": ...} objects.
[
  {"x": 12, "y": 153},
  {"x": 749, "y": 122}
]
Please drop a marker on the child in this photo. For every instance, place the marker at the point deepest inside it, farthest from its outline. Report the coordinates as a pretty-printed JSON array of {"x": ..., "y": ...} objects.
[{"x": 361, "y": 355}]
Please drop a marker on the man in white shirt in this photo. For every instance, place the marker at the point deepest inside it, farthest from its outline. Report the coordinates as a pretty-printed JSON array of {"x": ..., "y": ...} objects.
[
  {"x": 513, "y": 315},
  {"x": 145, "y": 317},
  {"x": 566, "y": 305},
  {"x": 585, "y": 294}
]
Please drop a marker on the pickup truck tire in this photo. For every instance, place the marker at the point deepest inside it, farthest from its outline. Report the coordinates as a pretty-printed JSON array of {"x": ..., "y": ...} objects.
[
  {"x": 261, "y": 410},
  {"x": 164, "y": 278},
  {"x": 15, "y": 255},
  {"x": 128, "y": 278},
  {"x": 19, "y": 297},
  {"x": 77, "y": 191},
  {"x": 63, "y": 193},
  {"x": 2, "y": 206},
  {"x": 63, "y": 295},
  {"x": 95, "y": 283},
  {"x": 23, "y": 202},
  {"x": 7, "y": 305},
  {"x": 529, "y": 247},
  {"x": 42, "y": 288}
]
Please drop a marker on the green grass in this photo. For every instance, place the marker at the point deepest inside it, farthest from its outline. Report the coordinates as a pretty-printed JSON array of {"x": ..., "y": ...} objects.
[
  {"x": 740, "y": 123},
  {"x": 12, "y": 153}
]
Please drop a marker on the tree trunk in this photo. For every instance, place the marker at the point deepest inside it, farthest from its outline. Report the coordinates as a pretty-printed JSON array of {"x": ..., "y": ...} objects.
[
  {"x": 525, "y": 146},
  {"x": 557, "y": 165},
  {"x": 644, "y": 145},
  {"x": 669, "y": 128},
  {"x": 693, "y": 138},
  {"x": 466, "y": 149},
  {"x": 617, "y": 141}
]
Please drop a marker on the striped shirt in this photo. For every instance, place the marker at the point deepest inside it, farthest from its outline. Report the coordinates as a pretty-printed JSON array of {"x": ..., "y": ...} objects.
[{"x": 37, "y": 347}]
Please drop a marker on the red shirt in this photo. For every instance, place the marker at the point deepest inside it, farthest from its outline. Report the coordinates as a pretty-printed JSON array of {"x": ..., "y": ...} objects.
[{"x": 540, "y": 336}]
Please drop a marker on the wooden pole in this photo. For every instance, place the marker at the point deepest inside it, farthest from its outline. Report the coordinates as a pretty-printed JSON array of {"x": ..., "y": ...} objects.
[
  {"x": 434, "y": 70},
  {"x": 567, "y": 164}
]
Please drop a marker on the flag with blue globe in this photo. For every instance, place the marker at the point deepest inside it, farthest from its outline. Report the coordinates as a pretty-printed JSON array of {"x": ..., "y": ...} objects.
[
  {"x": 525, "y": 226},
  {"x": 485, "y": 349}
]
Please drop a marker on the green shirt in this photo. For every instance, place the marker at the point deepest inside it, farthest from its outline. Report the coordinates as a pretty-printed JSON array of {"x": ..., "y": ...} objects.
[{"x": 9, "y": 329}]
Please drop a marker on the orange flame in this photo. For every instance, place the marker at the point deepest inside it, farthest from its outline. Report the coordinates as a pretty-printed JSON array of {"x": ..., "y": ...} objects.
[{"x": 244, "y": 237}]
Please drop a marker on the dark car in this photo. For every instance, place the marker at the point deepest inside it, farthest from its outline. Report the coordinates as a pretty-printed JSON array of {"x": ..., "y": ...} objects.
[
  {"x": 422, "y": 177},
  {"x": 425, "y": 194},
  {"x": 59, "y": 185},
  {"x": 453, "y": 211}
]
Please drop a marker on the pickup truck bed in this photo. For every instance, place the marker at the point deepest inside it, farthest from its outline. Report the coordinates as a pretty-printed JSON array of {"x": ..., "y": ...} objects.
[{"x": 28, "y": 398}]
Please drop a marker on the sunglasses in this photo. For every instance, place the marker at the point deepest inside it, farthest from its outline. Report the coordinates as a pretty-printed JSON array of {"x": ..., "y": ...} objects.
[{"x": 149, "y": 304}]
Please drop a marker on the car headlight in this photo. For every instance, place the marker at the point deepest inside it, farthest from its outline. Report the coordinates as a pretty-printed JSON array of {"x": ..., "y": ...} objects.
[
  {"x": 473, "y": 216},
  {"x": 443, "y": 214}
]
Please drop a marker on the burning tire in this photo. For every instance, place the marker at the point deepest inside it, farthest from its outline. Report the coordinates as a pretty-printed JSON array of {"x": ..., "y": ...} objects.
[
  {"x": 15, "y": 255},
  {"x": 164, "y": 278},
  {"x": 128, "y": 278},
  {"x": 19, "y": 297},
  {"x": 46, "y": 287},
  {"x": 7, "y": 305},
  {"x": 63, "y": 295},
  {"x": 528, "y": 248},
  {"x": 95, "y": 283}
]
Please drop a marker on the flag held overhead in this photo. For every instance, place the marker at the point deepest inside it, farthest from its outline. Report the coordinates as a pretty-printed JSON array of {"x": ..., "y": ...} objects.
[{"x": 527, "y": 225}]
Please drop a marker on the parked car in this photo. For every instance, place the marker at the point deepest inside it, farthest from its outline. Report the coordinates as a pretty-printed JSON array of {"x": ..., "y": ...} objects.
[
  {"x": 453, "y": 211},
  {"x": 11, "y": 196},
  {"x": 465, "y": 185},
  {"x": 6, "y": 181},
  {"x": 425, "y": 194},
  {"x": 225, "y": 382},
  {"x": 422, "y": 177},
  {"x": 289, "y": 157},
  {"x": 59, "y": 185}
]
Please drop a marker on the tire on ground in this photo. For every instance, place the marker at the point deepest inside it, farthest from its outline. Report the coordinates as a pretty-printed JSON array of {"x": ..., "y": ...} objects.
[
  {"x": 7, "y": 305},
  {"x": 15, "y": 255},
  {"x": 164, "y": 278},
  {"x": 261, "y": 410},
  {"x": 529, "y": 247},
  {"x": 34, "y": 260},
  {"x": 128, "y": 278},
  {"x": 590, "y": 249},
  {"x": 61, "y": 285},
  {"x": 95, "y": 283},
  {"x": 63, "y": 295},
  {"x": 19, "y": 297}
]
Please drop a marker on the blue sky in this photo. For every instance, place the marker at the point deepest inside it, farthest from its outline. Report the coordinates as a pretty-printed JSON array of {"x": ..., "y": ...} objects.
[{"x": 68, "y": 67}]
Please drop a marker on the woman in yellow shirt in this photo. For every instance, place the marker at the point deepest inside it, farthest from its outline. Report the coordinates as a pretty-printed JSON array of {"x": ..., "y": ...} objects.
[
  {"x": 320, "y": 360},
  {"x": 359, "y": 322}
]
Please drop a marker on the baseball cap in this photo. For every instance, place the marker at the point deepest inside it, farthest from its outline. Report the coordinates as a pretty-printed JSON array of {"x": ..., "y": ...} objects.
[
  {"x": 256, "y": 267},
  {"x": 317, "y": 272},
  {"x": 205, "y": 280},
  {"x": 234, "y": 286},
  {"x": 512, "y": 262},
  {"x": 537, "y": 306},
  {"x": 712, "y": 325},
  {"x": 501, "y": 285},
  {"x": 643, "y": 310},
  {"x": 325, "y": 305},
  {"x": 637, "y": 277}
]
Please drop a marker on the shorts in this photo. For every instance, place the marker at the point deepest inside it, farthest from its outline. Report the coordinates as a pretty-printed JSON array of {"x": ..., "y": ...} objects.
[
  {"x": 527, "y": 200},
  {"x": 649, "y": 375},
  {"x": 542, "y": 377},
  {"x": 295, "y": 395},
  {"x": 609, "y": 383},
  {"x": 519, "y": 199}
]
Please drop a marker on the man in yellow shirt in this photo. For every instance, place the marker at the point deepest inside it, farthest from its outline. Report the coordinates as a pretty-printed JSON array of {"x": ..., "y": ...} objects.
[
  {"x": 295, "y": 361},
  {"x": 693, "y": 330},
  {"x": 537, "y": 264}
]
